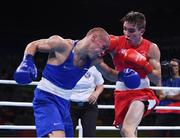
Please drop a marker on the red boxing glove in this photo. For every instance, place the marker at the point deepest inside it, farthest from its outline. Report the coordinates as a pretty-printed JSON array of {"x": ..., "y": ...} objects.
[
  {"x": 133, "y": 56},
  {"x": 113, "y": 42},
  {"x": 112, "y": 46}
]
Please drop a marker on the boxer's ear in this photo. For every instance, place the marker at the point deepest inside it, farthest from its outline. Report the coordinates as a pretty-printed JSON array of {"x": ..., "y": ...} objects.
[
  {"x": 142, "y": 30},
  {"x": 94, "y": 37}
]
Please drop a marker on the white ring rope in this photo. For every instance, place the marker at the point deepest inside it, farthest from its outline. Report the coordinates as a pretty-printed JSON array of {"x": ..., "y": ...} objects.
[
  {"x": 21, "y": 104},
  {"x": 28, "y": 104},
  {"x": 105, "y": 86},
  {"x": 17, "y": 127},
  {"x": 21, "y": 127},
  {"x": 14, "y": 82}
]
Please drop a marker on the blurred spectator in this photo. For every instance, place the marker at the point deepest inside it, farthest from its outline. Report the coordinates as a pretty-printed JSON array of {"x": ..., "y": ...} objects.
[{"x": 169, "y": 98}]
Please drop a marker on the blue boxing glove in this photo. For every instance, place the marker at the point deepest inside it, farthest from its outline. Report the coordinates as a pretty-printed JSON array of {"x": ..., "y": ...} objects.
[
  {"x": 26, "y": 71},
  {"x": 130, "y": 78}
]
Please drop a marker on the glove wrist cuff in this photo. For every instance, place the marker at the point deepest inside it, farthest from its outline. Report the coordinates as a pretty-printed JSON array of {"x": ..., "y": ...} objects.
[
  {"x": 28, "y": 57},
  {"x": 120, "y": 75}
]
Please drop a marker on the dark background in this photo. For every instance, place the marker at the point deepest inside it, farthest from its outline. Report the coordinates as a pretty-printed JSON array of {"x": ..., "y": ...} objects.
[{"x": 24, "y": 21}]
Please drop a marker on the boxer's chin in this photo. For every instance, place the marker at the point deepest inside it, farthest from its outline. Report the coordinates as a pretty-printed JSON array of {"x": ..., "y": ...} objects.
[{"x": 128, "y": 40}]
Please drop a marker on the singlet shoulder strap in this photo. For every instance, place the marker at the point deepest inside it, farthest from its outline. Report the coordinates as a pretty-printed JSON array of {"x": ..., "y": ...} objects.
[{"x": 75, "y": 42}]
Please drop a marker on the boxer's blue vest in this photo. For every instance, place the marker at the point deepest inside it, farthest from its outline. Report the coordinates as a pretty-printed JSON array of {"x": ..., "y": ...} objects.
[{"x": 65, "y": 75}]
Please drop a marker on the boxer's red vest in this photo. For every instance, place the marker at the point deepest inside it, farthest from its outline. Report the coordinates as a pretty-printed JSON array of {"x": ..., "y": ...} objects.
[{"x": 121, "y": 43}]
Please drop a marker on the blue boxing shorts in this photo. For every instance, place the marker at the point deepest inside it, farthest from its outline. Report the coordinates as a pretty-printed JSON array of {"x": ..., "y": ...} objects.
[{"x": 51, "y": 113}]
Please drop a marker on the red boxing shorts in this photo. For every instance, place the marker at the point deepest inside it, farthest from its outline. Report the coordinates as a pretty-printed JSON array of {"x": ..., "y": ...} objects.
[{"x": 124, "y": 98}]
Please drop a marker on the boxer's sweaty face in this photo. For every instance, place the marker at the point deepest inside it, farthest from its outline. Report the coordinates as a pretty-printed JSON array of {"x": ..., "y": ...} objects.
[
  {"x": 98, "y": 48},
  {"x": 132, "y": 33}
]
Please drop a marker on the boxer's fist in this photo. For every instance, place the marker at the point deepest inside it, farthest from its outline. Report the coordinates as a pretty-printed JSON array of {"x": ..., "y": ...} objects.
[
  {"x": 135, "y": 57},
  {"x": 26, "y": 71},
  {"x": 130, "y": 78}
]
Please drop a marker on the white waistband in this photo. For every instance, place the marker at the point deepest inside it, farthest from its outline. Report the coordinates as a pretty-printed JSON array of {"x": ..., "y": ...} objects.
[
  {"x": 47, "y": 86},
  {"x": 144, "y": 84}
]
